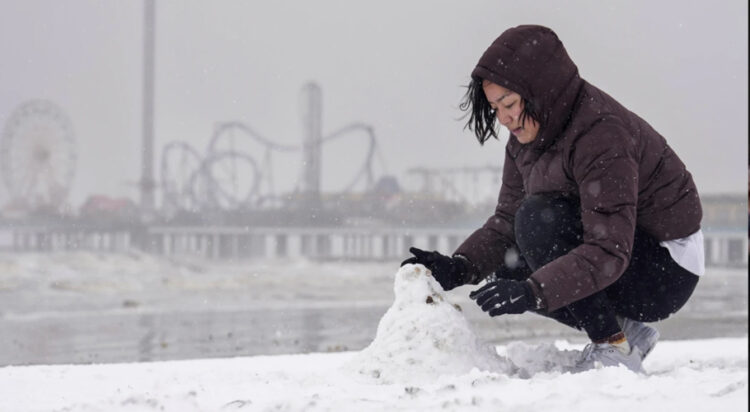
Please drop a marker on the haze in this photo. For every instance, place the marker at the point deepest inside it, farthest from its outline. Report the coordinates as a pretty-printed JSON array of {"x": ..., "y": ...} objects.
[{"x": 397, "y": 66}]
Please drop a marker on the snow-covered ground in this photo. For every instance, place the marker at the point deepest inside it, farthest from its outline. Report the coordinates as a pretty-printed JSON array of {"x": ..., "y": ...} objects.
[
  {"x": 696, "y": 375},
  {"x": 424, "y": 356}
]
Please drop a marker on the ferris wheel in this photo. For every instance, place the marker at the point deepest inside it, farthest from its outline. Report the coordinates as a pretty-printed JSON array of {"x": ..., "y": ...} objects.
[{"x": 37, "y": 154}]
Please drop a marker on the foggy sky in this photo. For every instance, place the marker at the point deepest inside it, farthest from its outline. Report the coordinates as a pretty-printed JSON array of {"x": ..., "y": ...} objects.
[{"x": 399, "y": 66}]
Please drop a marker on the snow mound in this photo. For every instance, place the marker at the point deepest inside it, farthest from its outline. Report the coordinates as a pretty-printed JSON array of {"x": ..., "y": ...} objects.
[
  {"x": 423, "y": 336},
  {"x": 531, "y": 359}
]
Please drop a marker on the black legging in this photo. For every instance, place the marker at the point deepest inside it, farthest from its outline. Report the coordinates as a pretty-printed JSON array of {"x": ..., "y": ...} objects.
[{"x": 652, "y": 288}]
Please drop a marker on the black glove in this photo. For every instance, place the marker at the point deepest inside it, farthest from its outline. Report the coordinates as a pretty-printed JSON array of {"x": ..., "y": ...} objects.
[
  {"x": 450, "y": 272},
  {"x": 504, "y": 296}
]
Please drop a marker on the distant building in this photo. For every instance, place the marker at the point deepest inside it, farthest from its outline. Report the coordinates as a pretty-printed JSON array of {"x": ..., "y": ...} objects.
[{"x": 724, "y": 223}]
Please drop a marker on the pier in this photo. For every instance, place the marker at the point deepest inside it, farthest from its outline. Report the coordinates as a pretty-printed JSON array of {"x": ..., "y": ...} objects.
[{"x": 726, "y": 248}]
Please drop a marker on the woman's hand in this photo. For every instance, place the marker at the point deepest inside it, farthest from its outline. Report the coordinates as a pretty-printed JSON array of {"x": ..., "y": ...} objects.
[
  {"x": 450, "y": 272},
  {"x": 504, "y": 296}
]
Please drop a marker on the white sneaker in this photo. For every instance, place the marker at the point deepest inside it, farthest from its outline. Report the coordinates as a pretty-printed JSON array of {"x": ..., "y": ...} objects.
[
  {"x": 640, "y": 335},
  {"x": 598, "y": 355}
]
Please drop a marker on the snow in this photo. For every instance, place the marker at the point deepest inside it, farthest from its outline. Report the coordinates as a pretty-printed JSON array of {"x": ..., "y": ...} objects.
[
  {"x": 427, "y": 358},
  {"x": 422, "y": 336},
  {"x": 698, "y": 375}
]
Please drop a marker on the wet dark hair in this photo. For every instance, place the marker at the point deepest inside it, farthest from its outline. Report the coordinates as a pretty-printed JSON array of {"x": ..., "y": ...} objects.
[{"x": 482, "y": 117}]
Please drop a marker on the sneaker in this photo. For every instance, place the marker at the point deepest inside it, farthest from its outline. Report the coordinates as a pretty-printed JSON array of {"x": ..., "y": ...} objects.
[
  {"x": 640, "y": 335},
  {"x": 597, "y": 355}
]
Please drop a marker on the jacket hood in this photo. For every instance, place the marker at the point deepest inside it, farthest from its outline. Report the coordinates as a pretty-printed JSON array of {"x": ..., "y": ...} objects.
[{"x": 532, "y": 61}]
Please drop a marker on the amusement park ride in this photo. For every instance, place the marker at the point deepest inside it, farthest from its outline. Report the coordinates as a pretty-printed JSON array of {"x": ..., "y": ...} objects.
[
  {"x": 37, "y": 157},
  {"x": 228, "y": 178},
  {"x": 224, "y": 199},
  {"x": 226, "y": 203},
  {"x": 232, "y": 181}
]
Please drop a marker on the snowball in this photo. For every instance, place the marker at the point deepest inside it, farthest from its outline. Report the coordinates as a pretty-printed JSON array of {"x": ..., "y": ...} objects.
[{"x": 423, "y": 336}]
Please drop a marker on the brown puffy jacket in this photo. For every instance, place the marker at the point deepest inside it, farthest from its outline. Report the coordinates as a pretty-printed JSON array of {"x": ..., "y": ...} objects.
[{"x": 590, "y": 147}]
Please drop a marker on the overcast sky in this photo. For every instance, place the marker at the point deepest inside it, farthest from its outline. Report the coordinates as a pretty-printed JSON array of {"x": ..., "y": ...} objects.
[{"x": 396, "y": 65}]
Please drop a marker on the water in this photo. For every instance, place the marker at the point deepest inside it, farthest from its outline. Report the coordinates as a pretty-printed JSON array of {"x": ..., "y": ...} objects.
[{"x": 220, "y": 311}]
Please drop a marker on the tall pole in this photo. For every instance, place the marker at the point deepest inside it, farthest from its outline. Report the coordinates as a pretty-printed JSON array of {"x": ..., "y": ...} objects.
[
  {"x": 148, "y": 184},
  {"x": 312, "y": 119}
]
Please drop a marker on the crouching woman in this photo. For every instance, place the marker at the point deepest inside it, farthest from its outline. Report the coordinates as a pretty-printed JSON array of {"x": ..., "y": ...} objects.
[{"x": 597, "y": 223}]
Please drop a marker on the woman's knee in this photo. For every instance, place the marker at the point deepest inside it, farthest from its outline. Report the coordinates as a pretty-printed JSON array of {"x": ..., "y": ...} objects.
[
  {"x": 661, "y": 302},
  {"x": 547, "y": 226}
]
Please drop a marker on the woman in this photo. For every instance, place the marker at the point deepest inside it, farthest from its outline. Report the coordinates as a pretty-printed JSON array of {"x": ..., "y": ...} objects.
[{"x": 597, "y": 224}]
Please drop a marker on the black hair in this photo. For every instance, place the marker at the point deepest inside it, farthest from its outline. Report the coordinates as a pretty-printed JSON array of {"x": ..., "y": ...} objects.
[{"x": 481, "y": 115}]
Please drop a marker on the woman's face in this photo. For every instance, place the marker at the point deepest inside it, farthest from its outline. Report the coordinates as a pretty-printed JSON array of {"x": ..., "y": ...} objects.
[{"x": 508, "y": 107}]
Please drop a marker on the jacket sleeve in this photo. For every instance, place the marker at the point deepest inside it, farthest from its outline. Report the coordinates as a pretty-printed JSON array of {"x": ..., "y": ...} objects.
[
  {"x": 486, "y": 248},
  {"x": 604, "y": 164}
]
